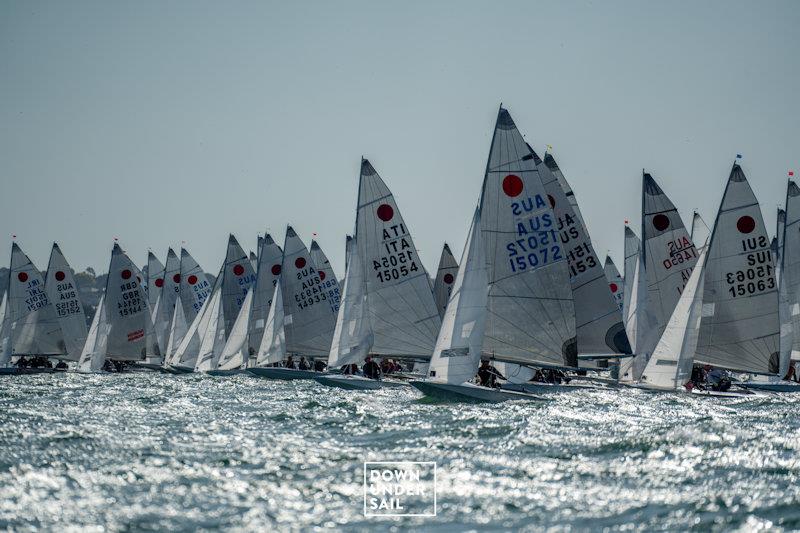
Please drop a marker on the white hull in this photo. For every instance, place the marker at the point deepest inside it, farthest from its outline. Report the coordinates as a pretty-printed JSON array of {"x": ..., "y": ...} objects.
[
  {"x": 468, "y": 392},
  {"x": 357, "y": 382},
  {"x": 283, "y": 373}
]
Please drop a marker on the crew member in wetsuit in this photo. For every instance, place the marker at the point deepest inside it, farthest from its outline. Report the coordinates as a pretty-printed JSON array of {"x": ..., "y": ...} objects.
[
  {"x": 319, "y": 365},
  {"x": 289, "y": 362},
  {"x": 22, "y": 362},
  {"x": 488, "y": 374},
  {"x": 62, "y": 365},
  {"x": 371, "y": 369},
  {"x": 304, "y": 364}
]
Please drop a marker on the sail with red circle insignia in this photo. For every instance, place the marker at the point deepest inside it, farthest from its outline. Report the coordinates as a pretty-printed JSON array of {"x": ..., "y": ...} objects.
[
  {"x": 169, "y": 286},
  {"x": 400, "y": 307},
  {"x": 62, "y": 291},
  {"x": 326, "y": 275},
  {"x": 155, "y": 278},
  {"x": 445, "y": 278},
  {"x": 740, "y": 325},
  {"x": 131, "y": 336},
  {"x": 531, "y": 317},
  {"x": 270, "y": 256},
  {"x": 615, "y": 281}
]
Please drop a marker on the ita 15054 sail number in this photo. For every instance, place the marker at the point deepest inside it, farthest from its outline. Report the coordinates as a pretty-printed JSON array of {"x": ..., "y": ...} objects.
[{"x": 395, "y": 266}]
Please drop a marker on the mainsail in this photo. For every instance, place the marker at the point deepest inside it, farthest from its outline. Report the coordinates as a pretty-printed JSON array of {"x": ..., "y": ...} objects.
[
  {"x": 445, "y": 276},
  {"x": 669, "y": 256},
  {"x": 32, "y": 320},
  {"x": 194, "y": 286},
  {"x": 790, "y": 265},
  {"x": 237, "y": 278},
  {"x": 458, "y": 346},
  {"x": 130, "y": 335},
  {"x": 670, "y": 366},
  {"x": 5, "y": 333},
  {"x": 327, "y": 277},
  {"x": 169, "y": 285},
  {"x": 273, "y": 342},
  {"x": 270, "y": 257},
  {"x": 155, "y": 278},
  {"x": 310, "y": 319},
  {"x": 632, "y": 248},
  {"x": 740, "y": 326},
  {"x": 598, "y": 321},
  {"x": 402, "y": 313},
  {"x": 62, "y": 291},
  {"x": 531, "y": 315},
  {"x": 351, "y": 337},
  {"x": 615, "y": 282}
]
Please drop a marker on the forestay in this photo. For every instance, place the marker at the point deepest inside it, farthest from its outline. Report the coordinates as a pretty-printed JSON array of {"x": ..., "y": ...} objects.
[
  {"x": 270, "y": 257},
  {"x": 32, "y": 320},
  {"x": 402, "y": 313},
  {"x": 670, "y": 366},
  {"x": 310, "y": 319},
  {"x": 531, "y": 316},
  {"x": 445, "y": 277},
  {"x": 740, "y": 325},
  {"x": 351, "y": 337},
  {"x": 62, "y": 292},
  {"x": 130, "y": 336},
  {"x": 458, "y": 347}
]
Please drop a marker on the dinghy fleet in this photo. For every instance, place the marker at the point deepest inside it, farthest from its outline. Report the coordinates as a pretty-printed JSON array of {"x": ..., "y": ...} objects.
[{"x": 529, "y": 308}]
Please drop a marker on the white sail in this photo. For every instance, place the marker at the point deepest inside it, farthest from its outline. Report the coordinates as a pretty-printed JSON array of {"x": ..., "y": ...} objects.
[
  {"x": 185, "y": 355},
  {"x": 615, "y": 282},
  {"x": 32, "y": 320},
  {"x": 632, "y": 247},
  {"x": 740, "y": 326},
  {"x": 155, "y": 278},
  {"x": 309, "y": 320},
  {"x": 93, "y": 354},
  {"x": 62, "y": 291},
  {"x": 177, "y": 330},
  {"x": 235, "y": 352},
  {"x": 212, "y": 336},
  {"x": 700, "y": 232},
  {"x": 5, "y": 334},
  {"x": 131, "y": 336},
  {"x": 270, "y": 257},
  {"x": 194, "y": 286},
  {"x": 640, "y": 324},
  {"x": 670, "y": 366},
  {"x": 790, "y": 269},
  {"x": 328, "y": 281},
  {"x": 598, "y": 320},
  {"x": 550, "y": 161},
  {"x": 273, "y": 342},
  {"x": 352, "y": 338},
  {"x": 237, "y": 278},
  {"x": 402, "y": 313},
  {"x": 445, "y": 277},
  {"x": 169, "y": 285},
  {"x": 458, "y": 346},
  {"x": 531, "y": 316},
  {"x": 669, "y": 256},
  {"x": 254, "y": 259},
  {"x": 259, "y": 247}
]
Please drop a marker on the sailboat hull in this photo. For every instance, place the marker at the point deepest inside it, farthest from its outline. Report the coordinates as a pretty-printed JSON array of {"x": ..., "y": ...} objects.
[
  {"x": 357, "y": 382},
  {"x": 176, "y": 369},
  {"x": 12, "y": 371},
  {"x": 232, "y": 372},
  {"x": 149, "y": 366},
  {"x": 467, "y": 392},
  {"x": 537, "y": 388},
  {"x": 283, "y": 373},
  {"x": 778, "y": 386}
]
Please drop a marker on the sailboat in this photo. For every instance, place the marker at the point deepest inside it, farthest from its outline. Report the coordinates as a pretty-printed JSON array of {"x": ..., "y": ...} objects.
[
  {"x": 615, "y": 282},
  {"x": 62, "y": 292},
  {"x": 168, "y": 287},
  {"x": 309, "y": 317},
  {"x": 787, "y": 276},
  {"x": 445, "y": 277},
  {"x": 33, "y": 328},
  {"x": 528, "y": 316},
  {"x": 740, "y": 326}
]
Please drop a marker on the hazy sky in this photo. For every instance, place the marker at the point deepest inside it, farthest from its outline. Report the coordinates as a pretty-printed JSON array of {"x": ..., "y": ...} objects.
[{"x": 159, "y": 122}]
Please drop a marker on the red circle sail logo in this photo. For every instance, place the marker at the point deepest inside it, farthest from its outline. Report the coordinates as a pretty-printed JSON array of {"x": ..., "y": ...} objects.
[
  {"x": 176, "y": 278},
  {"x": 745, "y": 224},
  {"x": 385, "y": 212},
  {"x": 60, "y": 276},
  {"x": 192, "y": 279},
  {"x": 512, "y": 185},
  {"x": 22, "y": 276},
  {"x": 276, "y": 269},
  {"x": 126, "y": 274},
  {"x": 300, "y": 262},
  {"x": 448, "y": 278},
  {"x": 661, "y": 222},
  {"x": 238, "y": 270},
  {"x": 160, "y": 282},
  {"x": 613, "y": 287}
]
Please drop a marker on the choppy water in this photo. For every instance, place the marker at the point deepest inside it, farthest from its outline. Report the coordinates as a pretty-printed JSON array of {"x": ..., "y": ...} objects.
[{"x": 150, "y": 451}]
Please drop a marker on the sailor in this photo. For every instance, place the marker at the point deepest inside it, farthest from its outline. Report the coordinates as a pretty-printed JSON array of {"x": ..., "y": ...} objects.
[
  {"x": 488, "y": 374},
  {"x": 289, "y": 362},
  {"x": 717, "y": 379},
  {"x": 371, "y": 368},
  {"x": 319, "y": 365},
  {"x": 22, "y": 362},
  {"x": 791, "y": 374},
  {"x": 62, "y": 365},
  {"x": 304, "y": 364}
]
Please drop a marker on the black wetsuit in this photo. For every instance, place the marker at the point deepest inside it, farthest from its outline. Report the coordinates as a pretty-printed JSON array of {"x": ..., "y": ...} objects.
[{"x": 371, "y": 370}]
